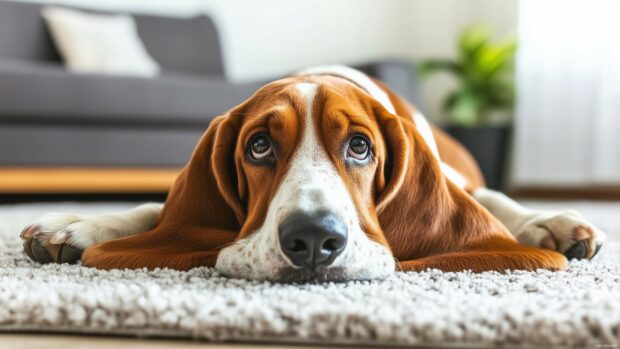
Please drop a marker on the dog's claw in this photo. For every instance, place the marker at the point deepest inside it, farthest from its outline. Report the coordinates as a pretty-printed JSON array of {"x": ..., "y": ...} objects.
[
  {"x": 28, "y": 232},
  {"x": 59, "y": 237}
]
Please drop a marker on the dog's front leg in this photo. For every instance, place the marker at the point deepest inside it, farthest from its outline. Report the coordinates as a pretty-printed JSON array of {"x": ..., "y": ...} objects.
[
  {"x": 567, "y": 232},
  {"x": 61, "y": 237}
]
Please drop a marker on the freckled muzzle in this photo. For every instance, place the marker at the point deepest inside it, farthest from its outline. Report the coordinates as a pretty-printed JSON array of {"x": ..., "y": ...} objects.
[{"x": 312, "y": 240}]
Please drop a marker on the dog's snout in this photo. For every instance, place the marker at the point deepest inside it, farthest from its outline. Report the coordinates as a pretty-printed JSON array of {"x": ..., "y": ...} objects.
[{"x": 312, "y": 240}]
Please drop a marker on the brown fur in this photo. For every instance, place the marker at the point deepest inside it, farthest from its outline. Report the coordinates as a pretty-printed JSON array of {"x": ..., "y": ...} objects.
[{"x": 404, "y": 202}]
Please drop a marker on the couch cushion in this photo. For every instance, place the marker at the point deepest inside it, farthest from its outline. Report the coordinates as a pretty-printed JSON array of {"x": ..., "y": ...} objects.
[
  {"x": 182, "y": 44},
  {"x": 75, "y": 145},
  {"x": 99, "y": 44},
  {"x": 47, "y": 92}
]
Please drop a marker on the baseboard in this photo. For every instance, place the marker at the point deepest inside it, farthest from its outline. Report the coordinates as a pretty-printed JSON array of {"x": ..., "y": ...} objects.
[
  {"x": 611, "y": 192},
  {"x": 62, "y": 180}
]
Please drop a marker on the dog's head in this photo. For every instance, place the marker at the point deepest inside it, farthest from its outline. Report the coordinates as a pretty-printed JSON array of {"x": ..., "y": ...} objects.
[{"x": 301, "y": 172}]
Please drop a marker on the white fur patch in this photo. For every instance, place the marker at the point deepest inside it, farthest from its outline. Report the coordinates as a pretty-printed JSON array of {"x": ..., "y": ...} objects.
[
  {"x": 357, "y": 77},
  {"x": 311, "y": 184},
  {"x": 453, "y": 175},
  {"x": 427, "y": 133}
]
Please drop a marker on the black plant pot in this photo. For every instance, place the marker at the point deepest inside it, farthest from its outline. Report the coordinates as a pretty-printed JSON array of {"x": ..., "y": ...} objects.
[{"x": 489, "y": 146}]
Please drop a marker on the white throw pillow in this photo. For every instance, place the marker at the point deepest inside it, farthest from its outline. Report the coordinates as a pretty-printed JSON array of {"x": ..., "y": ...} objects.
[{"x": 93, "y": 43}]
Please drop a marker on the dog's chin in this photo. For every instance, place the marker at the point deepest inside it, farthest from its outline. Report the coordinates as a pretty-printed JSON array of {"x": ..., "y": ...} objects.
[{"x": 307, "y": 275}]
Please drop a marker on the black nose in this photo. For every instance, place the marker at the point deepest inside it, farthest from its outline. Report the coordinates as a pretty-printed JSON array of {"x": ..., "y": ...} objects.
[{"x": 312, "y": 240}]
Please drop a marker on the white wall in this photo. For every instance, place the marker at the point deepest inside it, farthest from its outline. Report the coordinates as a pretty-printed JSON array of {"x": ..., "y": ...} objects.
[
  {"x": 272, "y": 37},
  {"x": 267, "y": 38}
]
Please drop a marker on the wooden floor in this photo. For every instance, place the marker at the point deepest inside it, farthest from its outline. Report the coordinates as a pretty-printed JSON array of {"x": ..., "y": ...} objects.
[{"x": 42, "y": 180}]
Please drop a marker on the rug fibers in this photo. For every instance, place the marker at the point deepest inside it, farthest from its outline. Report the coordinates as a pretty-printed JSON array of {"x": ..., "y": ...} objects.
[{"x": 576, "y": 307}]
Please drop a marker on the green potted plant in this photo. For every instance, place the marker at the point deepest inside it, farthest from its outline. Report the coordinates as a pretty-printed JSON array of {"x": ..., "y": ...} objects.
[{"x": 478, "y": 112}]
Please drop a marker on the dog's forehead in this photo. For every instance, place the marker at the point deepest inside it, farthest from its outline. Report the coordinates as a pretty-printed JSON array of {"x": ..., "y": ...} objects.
[
  {"x": 355, "y": 77},
  {"x": 289, "y": 97}
]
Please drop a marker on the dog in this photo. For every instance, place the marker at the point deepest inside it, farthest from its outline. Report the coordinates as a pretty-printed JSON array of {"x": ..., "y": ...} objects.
[{"x": 326, "y": 175}]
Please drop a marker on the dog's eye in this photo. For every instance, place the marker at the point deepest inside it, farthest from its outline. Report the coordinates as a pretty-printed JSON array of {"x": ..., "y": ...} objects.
[
  {"x": 359, "y": 148},
  {"x": 260, "y": 147}
]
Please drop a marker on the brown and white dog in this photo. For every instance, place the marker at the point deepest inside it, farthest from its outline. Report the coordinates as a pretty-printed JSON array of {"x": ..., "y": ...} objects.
[{"x": 325, "y": 175}]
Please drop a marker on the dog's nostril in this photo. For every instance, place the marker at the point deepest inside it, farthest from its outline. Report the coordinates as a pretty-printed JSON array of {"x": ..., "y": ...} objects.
[
  {"x": 298, "y": 246},
  {"x": 332, "y": 244}
]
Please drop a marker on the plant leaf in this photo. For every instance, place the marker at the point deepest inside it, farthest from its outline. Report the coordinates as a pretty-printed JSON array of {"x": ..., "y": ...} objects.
[
  {"x": 472, "y": 40},
  {"x": 493, "y": 58}
]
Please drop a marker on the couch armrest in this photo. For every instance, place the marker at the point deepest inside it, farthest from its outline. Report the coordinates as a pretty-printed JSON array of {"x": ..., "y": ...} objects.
[{"x": 398, "y": 74}]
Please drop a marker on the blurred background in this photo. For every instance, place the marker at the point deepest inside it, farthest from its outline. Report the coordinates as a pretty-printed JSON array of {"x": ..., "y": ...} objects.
[{"x": 108, "y": 97}]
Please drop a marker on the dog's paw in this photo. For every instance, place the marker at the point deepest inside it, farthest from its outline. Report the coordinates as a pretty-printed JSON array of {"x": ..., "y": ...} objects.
[
  {"x": 57, "y": 238},
  {"x": 567, "y": 232}
]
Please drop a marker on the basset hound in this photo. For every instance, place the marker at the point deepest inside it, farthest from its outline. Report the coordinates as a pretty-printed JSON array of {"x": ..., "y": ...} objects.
[{"x": 326, "y": 175}]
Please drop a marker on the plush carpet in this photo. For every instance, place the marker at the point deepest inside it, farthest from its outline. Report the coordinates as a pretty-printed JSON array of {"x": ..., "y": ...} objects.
[{"x": 577, "y": 307}]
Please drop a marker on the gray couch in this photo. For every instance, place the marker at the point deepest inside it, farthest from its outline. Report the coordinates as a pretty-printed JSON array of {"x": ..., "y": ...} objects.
[{"x": 51, "y": 117}]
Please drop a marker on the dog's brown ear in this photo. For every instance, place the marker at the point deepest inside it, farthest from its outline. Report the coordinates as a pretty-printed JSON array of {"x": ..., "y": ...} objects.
[
  {"x": 409, "y": 167},
  {"x": 392, "y": 168},
  {"x": 203, "y": 212},
  {"x": 419, "y": 210},
  {"x": 208, "y": 192}
]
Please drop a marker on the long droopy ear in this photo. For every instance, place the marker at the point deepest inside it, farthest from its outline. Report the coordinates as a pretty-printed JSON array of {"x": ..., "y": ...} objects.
[
  {"x": 411, "y": 193},
  {"x": 202, "y": 214},
  {"x": 430, "y": 222}
]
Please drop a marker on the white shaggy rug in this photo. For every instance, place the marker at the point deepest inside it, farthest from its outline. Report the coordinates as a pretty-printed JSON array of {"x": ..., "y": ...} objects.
[{"x": 578, "y": 307}]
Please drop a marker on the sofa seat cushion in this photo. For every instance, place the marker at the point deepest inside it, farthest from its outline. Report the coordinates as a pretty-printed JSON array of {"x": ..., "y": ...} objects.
[
  {"x": 96, "y": 146},
  {"x": 33, "y": 91}
]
